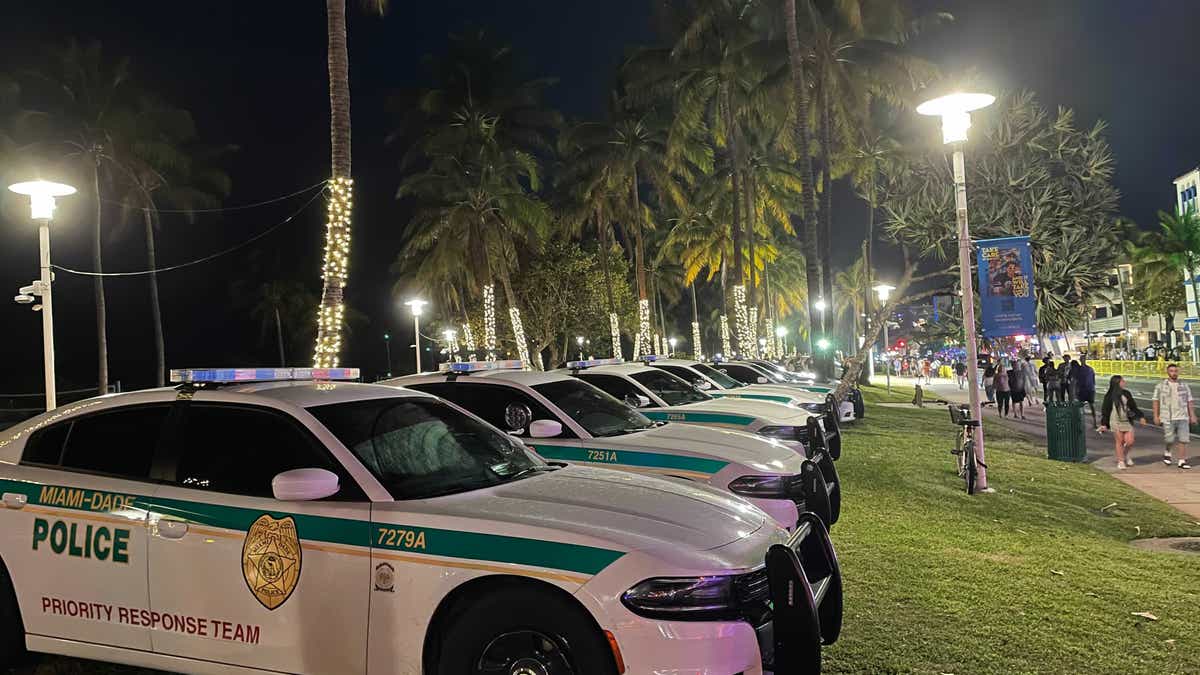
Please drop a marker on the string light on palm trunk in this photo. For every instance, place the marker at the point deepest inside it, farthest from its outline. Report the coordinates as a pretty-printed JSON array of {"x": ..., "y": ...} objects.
[
  {"x": 489, "y": 321},
  {"x": 726, "y": 348},
  {"x": 643, "y": 339},
  {"x": 697, "y": 352},
  {"x": 514, "y": 315},
  {"x": 753, "y": 326},
  {"x": 469, "y": 341},
  {"x": 615, "y": 326},
  {"x": 741, "y": 318},
  {"x": 331, "y": 316}
]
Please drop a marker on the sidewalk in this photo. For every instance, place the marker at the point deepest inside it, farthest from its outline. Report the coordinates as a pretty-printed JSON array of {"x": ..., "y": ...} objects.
[{"x": 1174, "y": 486}]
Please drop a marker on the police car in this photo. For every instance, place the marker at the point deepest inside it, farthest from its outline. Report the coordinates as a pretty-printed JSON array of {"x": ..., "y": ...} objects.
[
  {"x": 750, "y": 372},
  {"x": 567, "y": 419},
  {"x": 253, "y": 521},
  {"x": 720, "y": 385},
  {"x": 808, "y": 382}
]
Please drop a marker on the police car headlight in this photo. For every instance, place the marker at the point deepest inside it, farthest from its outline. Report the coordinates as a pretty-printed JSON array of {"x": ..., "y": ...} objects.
[
  {"x": 783, "y": 433},
  {"x": 683, "y": 598},
  {"x": 777, "y": 487}
]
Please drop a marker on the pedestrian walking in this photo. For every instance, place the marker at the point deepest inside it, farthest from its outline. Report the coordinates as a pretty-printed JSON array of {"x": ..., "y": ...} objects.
[
  {"x": 925, "y": 370},
  {"x": 1016, "y": 386},
  {"x": 1066, "y": 379},
  {"x": 1029, "y": 372},
  {"x": 1119, "y": 412},
  {"x": 989, "y": 382},
  {"x": 1003, "y": 391},
  {"x": 1085, "y": 385},
  {"x": 960, "y": 373},
  {"x": 1173, "y": 410},
  {"x": 1048, "y": 374}
]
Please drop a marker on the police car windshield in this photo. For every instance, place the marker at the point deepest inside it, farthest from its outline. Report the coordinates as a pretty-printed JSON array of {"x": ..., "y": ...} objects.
[
  {"x": 671, "y": 389},
  {"x": 592, "y": 409},
  {"x": 723, "y": 381},
  {"x": 423, "y": 448}
]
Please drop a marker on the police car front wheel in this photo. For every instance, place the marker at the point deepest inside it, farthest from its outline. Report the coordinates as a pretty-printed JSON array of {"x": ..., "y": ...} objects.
[{"x": 522, "y": 631}]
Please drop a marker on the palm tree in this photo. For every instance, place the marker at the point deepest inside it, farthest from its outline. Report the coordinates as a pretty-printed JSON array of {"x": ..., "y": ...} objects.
[
  {"x": 81, "y": 114},
  {"x": 335, "y": 269},
  {"x": 167, "y": 166},
  {"x": 1180, "y": 244},
  {"x": 851, "y": 289},
  {"x": 282, "y": 303}
]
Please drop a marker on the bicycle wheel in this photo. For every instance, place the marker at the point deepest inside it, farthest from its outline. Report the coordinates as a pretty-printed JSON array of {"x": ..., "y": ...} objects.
[
  {"x": 971, "y": 470},
  {"x": 960, "y": 465}
]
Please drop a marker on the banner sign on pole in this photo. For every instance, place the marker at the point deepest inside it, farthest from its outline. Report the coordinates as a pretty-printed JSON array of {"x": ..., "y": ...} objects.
[{"x": 1006, "y": 287}]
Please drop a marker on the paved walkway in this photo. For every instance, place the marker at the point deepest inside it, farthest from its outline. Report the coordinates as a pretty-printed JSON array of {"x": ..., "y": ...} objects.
[{"x": 1176, "y": 487}]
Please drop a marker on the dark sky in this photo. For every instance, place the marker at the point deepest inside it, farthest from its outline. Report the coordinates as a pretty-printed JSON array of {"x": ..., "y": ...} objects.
[{"x": 253, "y": 73}]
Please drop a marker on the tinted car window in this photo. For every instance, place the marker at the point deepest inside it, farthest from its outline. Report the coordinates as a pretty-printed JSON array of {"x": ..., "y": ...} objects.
[
  {"x": 118, "y": 442},
  {"x": 723, "y": 381},
  {"x": 494, "y": 403},
  {"x": 45, "y": 446},
  {"x": 743, "y": 374},
  {"x": 592, "y": 409},
  {"x": 423, "y": 448},
  {"x": 617, "y": 387},
  {"x": 669, "y": 388},
  {"x": 238, "y": 450}
]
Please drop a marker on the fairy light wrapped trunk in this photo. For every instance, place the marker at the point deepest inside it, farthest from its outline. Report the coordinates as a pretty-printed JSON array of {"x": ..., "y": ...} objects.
[
  {"x": 643, "y": 343},
  {"x": 726, "y": 347},
  {"x": 468, "y": 341},
  {"x": 697, "y": 351},
  {"x": 489, "y": 321},
  {"x": 514, "y": 315},
  {"x": 741, "y": 318},
  {"x": 615, "y": 326},
  {"x": 332, "y": 312}
]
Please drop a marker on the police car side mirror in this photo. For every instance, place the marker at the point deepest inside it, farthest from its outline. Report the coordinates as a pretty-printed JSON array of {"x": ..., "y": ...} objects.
[
  {"x": 762, "y": 380},
  {"x": 637, "y": 401},
  {"x": 544, "y": 429},
  {"x": 300, "y": 485}
]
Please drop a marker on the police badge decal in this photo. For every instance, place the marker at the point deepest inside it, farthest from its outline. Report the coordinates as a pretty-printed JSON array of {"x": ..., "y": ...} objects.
[{"x": 271, "y": 560}]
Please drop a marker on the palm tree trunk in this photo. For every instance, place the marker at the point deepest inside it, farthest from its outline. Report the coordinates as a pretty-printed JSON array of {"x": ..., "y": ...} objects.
[
  {"x": 751, "y": 220},
  {"x": 825, "y": 214},
  {"x": 639, "y": 244},
  {"x": 98, "y": 287},
  {"x": 735, "y": 160},
  {"x": 334, "y": 270},
  {"x": 602, "y": 235},
  {"x": 808, "y": 231},
  {"x": 160, "y": 350},
  {"x": 279, "y": 338},
  {"x": 868, "y": 245}
]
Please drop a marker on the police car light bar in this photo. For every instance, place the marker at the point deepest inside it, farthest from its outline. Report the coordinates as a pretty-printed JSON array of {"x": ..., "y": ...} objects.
[
  {"x": 648, "y": 357},
  {"x": 478, "y": 366},
  {"x": 225, "y": 375},
  {"x": 591, "y": 363}
]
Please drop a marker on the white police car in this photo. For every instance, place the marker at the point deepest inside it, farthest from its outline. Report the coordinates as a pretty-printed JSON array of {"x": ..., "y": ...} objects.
[
  {"x": 750, "y": 373},
  {"x": 808, "y": 381},
  {"x": 258, "y": 526},
  {"x": 567, "y": 419},
  {"x": 720, "y": 385}
]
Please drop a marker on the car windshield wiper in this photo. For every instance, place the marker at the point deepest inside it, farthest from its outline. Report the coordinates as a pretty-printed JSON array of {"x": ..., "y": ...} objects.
[{"x": 536, "y": 468}]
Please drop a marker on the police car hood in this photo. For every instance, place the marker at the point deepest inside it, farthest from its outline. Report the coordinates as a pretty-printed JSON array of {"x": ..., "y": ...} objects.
[
  {"x": 769, "y": 412},
  {"x": 727, "y": 445},
  {"x": 596, "y": 505}
]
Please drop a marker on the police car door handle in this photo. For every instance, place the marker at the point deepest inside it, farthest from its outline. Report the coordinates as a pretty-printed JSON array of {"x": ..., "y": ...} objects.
[
  {"x": 14, "y": 500},
  {"x": 172, "y": 529}
]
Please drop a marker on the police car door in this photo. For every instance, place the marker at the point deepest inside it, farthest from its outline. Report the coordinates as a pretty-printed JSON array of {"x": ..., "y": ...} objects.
[
  {"x": 239, "y": 577},
  {"x": 73, "y": 527}
]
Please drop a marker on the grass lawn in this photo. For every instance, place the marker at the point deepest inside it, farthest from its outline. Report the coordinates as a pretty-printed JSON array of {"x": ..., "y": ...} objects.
[{"x": 1034, "y": 578}]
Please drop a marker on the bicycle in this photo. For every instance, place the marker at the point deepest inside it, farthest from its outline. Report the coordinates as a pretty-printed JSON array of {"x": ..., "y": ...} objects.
[{"x": 964, "y": 448}]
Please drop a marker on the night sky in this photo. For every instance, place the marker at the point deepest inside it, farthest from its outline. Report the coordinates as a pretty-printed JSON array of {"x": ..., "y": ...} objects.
[{"x": 253, "y": 74}]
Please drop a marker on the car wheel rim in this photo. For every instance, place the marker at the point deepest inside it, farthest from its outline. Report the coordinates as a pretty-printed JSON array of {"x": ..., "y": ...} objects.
[{"x": 525, "y": 652}]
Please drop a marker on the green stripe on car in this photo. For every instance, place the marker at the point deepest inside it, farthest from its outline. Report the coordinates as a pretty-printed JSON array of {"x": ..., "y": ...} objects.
[
  {"x": 699, "y": 417},
  {"x": 434, "y": 541},
  {"x": 652, "y": 460},
  {"x": 757, "y": 397}
]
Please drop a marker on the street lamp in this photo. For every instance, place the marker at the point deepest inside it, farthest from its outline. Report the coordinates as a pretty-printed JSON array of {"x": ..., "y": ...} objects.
[
  {"x": 884, "y": 292},
  {"x": 671, "y": 342},
  {"x": 579, "y": 341},
  {"x": 781, "y": 333},
  {"x": 415, "y": 306},
  {"x": 451, "y": 336},
  {"x": 387, "y": 345},
  {"x": 955, "y": 111},
  {"x": 41, "y": 209}
]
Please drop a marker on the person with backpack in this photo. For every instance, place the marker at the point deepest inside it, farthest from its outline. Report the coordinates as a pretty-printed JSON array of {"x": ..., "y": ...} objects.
[
  {"x": 1119, "y": 412},
  {"x": 1016, "y": 386}
]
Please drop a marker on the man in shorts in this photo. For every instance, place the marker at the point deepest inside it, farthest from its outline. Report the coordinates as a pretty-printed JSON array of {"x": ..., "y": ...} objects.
[{"x": 1173, "y": 410}]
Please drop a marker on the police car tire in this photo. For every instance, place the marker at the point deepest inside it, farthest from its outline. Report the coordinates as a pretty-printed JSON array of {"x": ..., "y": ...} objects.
[
  {"x": 12, "y": 631},
  {"x": 520, "y": 608}
]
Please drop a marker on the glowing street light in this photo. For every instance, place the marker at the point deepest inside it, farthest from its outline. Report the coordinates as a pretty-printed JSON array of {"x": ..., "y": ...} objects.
[
  {"x": 671, "y": 342},
  {"x": 884, "y": 291},
  {"x": 955, "y": 111},
  {"x": 416, "y": 306},
  {"x": 451, "y": 337},
  {"x": 781, "y": 333},
  {"x": 579, "y": 341},
  {"x": 387, "y": 346},
  {"x": 41, "y": 195},
  {"x": 823, "y": 344}
]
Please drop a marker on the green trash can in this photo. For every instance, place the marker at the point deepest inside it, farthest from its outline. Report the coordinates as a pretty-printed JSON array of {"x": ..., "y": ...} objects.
[{"x": 1065, "y": 440}]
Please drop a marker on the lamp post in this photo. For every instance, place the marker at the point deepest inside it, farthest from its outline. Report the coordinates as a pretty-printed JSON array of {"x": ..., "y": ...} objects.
[
  {"x": 451, "y": 336},
  {"x": 41, "y": 209},
  {"x": 415, "y": 306},
  {"x": 884, "y": 292},
  {"x": 387, "y": 345},
  {"x": 781, "y": 333},
  {"x": 579, "y": 341},
  {"x": 671, "y": 342},
  {"x": 955, "y": 111}
]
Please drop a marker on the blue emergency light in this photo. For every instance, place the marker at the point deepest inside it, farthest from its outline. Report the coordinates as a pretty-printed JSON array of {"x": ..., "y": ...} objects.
[
  {"x": 591, "y": 363},
  {"x": 229, "y": 375},
  {"x": 478, "y": 366},
  {"x": 648, "y": 358}
]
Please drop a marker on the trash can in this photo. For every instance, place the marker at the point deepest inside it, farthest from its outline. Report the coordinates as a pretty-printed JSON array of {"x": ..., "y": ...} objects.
[{"x": 1065, "y": 440}]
